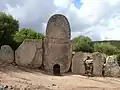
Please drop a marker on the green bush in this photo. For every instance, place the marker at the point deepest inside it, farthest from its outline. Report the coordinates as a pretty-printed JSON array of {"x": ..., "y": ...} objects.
[
  {"x": 81, "y": 43},
  {"x": 106, "y": 48},
  {"x": 118, "y": 59},
  {"x": 27, "y": 33}
]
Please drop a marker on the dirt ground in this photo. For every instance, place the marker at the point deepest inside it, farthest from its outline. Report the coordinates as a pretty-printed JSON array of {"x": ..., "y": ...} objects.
[{"x": 19, "y": 78}]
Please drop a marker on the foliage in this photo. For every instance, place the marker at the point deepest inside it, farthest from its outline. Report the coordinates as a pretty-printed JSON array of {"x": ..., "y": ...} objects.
[
  {"x": 10, "y": 34},
  {"x": 82, "y": 43},
  {"x": 118, "y": 59},
  {"x": 8, "y": 27},
  {"x": 115, "y": 43},
  {"x": 106, "y": 48},
  {"x": 27, "y": 33}
]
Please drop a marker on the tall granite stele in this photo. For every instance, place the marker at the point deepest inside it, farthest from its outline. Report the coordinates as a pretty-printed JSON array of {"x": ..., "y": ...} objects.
[
  {"x": 97, "y": 63},
  {"x": 57, "y": 51}
]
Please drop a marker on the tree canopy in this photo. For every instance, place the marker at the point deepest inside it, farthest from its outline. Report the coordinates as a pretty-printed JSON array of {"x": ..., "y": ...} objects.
[
  {"x": 27, "y": 33},
  {"x": 82, "y": 43},
  {"x": 85, "y": 44},
  {"x": 8, "y": 27},
  {"x": 10, "y": 33},
  {"x": 106, "y": 48}
]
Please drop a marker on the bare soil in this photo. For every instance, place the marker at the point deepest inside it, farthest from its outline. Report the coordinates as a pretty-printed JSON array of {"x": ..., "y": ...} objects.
[{"x": 21, "y": 78}]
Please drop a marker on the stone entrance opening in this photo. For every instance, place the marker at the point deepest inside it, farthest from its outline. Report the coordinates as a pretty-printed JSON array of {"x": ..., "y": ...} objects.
[{"x": 56, "y": 69}]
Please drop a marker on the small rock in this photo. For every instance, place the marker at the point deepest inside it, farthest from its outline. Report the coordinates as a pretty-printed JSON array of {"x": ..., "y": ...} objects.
[
  {"x": 53, "y": 84},
  {"x": 11, "y": 87},
  {"x": 6, "y": 86}
]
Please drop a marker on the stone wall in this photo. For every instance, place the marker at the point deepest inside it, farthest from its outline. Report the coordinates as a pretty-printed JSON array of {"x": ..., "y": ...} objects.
[
  {"x": 97, "y": 64},
  {"x": 78, "y": 63},
  {"x": 29, "y": 53},
  {"x": 55, "y": 49}
]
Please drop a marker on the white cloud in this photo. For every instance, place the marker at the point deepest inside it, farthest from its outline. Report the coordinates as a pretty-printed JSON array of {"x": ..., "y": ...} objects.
[
  {"x": 31, "y": 10},
  {"x": 99, "y": 19},
  {"x": 99, "y": 16},
  {"x": 62, "y": 3}
]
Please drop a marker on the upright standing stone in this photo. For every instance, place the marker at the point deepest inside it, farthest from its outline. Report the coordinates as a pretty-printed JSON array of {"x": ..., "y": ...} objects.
[
  {"x": 112, "y": 68},
  {"x": 6, "y": 54},
  {"x": 97, "y": 64},
  {"x": 78, "y": 63},
  {"x": 57, "y": 44},
  {"x": 29, "y": 53}
]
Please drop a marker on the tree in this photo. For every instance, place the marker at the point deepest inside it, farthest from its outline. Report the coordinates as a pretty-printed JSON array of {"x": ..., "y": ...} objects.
[
  {"x": 27, "y": 33},
  {"x": 106, "y": 48},
  {"x": 118, "y": 59},
  {"x": 8, "y": 27},
  {"x": 82, "y": 43}
]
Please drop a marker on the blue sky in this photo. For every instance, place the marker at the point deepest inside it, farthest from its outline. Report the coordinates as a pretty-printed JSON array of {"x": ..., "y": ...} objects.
[
  {"x": 98, "y": 19},
  {"x": 77, "y": 3}
]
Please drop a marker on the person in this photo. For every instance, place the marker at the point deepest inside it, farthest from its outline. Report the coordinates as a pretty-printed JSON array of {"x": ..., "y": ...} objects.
[{"x": 88, "y": 66}]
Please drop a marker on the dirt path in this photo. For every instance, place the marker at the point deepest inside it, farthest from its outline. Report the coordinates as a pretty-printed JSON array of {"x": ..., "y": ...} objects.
[{"x": 37, "y": 79}]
